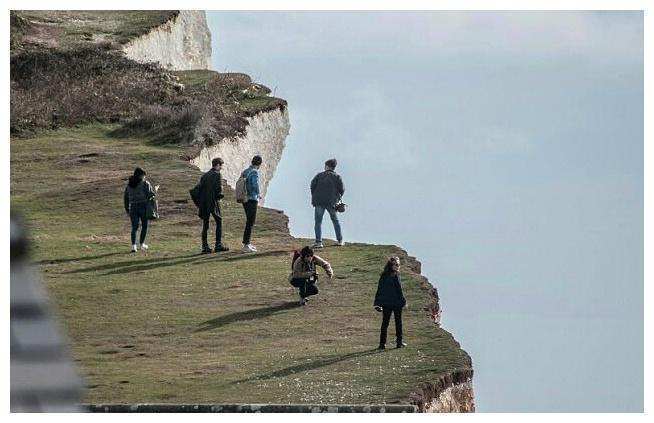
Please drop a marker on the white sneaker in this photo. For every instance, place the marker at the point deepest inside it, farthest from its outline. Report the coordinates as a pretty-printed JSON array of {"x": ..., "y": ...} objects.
[
  {"x": 144, "y": 247},
  {"x": 341, "y": 243},
  {"x": 253, "y": 247},
  {"x": 248, "y": 249},
  {"x": 317, "y": 245},
  {"x": 135, "y": 248}
]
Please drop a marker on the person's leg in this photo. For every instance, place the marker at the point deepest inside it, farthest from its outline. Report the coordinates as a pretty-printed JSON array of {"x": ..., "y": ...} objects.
[
  {"x": 386, "y": 318},
  {"x": 144, "y": 224},
  {"x": 205, "y": 229},
  {"x": 250, "y": 208},
  {"x": 134, "y": 218},
  {"x": 319, "y": 211},
  {"x": 337, "y": 225},
  {"x": 219, "y": 228},
  {"x": 303, "y": 288},
  {"x": 398, "y": 325}
]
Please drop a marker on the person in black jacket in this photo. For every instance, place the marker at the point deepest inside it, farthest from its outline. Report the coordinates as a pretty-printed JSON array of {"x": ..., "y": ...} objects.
[
  {"x": 326, "y": 191},
  {"x": 390, "y": 300},
  {"x": 135, "y": 198},
  {"x": 210, "y": 194}
]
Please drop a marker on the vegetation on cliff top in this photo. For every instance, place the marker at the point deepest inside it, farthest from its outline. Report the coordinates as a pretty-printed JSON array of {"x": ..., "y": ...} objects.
[
  {"x": 174, "y": 326},
  {"x": 70, "y": 29},
  {"x": 62, "y": 85}
]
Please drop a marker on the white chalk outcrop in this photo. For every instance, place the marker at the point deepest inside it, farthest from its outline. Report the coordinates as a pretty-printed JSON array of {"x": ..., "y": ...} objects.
[
  {"x": 265, "y": 135},
  {"x": 182, "y": 43},
  {"x": 458, "y": 398}
]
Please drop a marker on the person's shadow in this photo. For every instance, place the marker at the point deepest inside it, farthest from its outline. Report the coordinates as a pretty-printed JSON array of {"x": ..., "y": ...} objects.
[
  {"x": 241, "y": 316},
  {"x": 310, "y": 365}
]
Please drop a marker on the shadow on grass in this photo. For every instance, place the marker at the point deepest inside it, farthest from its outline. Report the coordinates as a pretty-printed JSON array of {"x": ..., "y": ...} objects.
[
  {"x": 83, "y": 258},
  {"x": 140, "y": 265},
  {"x": 241, "y": 316},
  {"x": 311, "y": 365},
  {"x": 128, "y": 263}
]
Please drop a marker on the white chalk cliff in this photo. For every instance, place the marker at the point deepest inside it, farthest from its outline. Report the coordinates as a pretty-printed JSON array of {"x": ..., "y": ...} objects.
[{"x": 182, "y": 43}]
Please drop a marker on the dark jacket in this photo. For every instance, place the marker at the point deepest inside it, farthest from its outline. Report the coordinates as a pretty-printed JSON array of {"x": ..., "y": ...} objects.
[
  {"x": 211, "y": 192},
  {"x": 326, "y": 189},
  {"x": 389, "y": 292},
  {"x": 137, "y": 193}
]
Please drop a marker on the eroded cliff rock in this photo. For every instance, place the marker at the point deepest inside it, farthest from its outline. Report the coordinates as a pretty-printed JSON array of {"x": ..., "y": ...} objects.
[
  {"x": 182, "y": 43},
  {"x": 265, "y": 135}
]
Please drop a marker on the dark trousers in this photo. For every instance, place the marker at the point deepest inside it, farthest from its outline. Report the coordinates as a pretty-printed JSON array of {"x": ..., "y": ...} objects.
[
  {"x": 219, "y": 228},
  {"x": 397, "y": 312},
  {"x": 307, "y": 287},
  {"x": 136, "y": 215},
  {"x": 250, "y": 208}
]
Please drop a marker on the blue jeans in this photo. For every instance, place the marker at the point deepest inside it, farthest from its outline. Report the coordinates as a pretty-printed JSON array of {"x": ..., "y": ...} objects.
[
  {"x": 319, "y": 212},
  {"x": 136, "y": 214}
]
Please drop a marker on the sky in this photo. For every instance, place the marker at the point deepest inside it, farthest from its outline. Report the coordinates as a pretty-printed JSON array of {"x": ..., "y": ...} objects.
[{"x": 505, "y": 151}]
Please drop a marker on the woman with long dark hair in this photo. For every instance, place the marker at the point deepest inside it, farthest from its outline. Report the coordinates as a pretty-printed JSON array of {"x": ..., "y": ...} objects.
[
  {"x": 137, "y": 193},
  {"x": 389, "y": 299}
]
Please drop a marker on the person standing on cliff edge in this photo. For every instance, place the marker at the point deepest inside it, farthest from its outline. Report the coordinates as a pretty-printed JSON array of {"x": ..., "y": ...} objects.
[
  {"x": 251, "y": 176},
  {"x": 326, "y": 191},
  {"x": 389, "y": 299},
  {"x": 209, "y": 193}
]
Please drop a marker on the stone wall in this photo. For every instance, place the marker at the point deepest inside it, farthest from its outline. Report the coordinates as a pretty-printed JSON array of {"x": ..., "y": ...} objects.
[
  {"x": 183, "y": 43},
  {"x": 265, "y": 135}
]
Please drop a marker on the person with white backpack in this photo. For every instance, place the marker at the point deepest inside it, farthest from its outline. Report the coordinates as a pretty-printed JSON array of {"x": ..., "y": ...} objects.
[{"x": 247, "y": 193}]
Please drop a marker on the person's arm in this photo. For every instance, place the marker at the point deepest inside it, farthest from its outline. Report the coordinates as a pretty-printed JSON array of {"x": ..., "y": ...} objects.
[
  {"x": 126, "y": 200},
  {"x": 378, "y": 293},
  {"x": 150, "y": 193},
  {"x": 324, "y": 264},
  {"x": 398, "y": 286},
  {"x": 314, "y": 182},
  {"x": 339, "y": 185},
  {"x": 218, "y": 187}
]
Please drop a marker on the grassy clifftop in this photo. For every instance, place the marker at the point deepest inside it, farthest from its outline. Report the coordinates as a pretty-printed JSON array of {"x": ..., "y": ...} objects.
[
  {"x": 174, "y": 326},
  {"x": 71, "y": 28}
]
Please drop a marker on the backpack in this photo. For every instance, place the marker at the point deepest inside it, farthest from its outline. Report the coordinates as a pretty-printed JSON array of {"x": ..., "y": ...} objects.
[
  {"x": 195, "y": 195},
  {"x": 296, "y": 255},
  {"x": 241, "y": 189}
]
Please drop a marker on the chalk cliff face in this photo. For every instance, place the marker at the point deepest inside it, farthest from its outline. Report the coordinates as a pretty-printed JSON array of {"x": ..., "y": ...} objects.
[
  {"x": 182, "y": 43},
  {"x": 265, "y": 135}
]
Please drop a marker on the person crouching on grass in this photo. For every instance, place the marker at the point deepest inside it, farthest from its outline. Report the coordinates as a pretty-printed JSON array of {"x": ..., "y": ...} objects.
[
  {"x": 304, "y": 274},
  {"x": 390, "y": 299}
]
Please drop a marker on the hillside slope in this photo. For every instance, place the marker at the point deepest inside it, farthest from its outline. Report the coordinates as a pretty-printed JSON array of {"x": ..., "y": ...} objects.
[{"x": 173, "y": 326}]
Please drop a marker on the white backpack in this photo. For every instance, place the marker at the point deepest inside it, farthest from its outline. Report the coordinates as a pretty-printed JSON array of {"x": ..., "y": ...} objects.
[{"x": 240, "y": 189}]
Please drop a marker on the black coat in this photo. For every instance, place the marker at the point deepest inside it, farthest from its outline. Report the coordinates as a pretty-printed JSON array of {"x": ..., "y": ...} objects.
[
  {"x": 326, "y": 189},
  {"x": 210, "y": 193},
  {"x": 389, "y": 292}
]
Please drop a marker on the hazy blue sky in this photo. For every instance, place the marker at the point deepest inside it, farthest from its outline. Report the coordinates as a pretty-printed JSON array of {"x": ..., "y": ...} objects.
[{"x": 505, "y": 150}]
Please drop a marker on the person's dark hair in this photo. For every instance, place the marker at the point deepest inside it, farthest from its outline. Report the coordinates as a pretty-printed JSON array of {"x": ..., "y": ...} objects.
[
  {"x": 331, "y": 163},
  {"x": 137, "y": 177},
  {"x": 215, "y": 162},
  {"x": 257, "y": 160},
  {"x": 306, "y": 252},
  {"x": 388, "y": 268}
]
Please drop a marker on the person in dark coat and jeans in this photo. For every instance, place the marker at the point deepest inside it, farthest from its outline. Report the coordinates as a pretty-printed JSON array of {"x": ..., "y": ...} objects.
[
  {"x": 326, "y": 191},
  {"x": 210, "y": 194},
  {"x": 135, "y": 199},
  {"x": 251, "y": 175},
  {"x": 390, "y": 300}
]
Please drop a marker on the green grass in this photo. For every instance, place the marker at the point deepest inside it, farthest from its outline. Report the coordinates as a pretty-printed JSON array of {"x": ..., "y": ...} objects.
[{"x": 174, "y": 326}]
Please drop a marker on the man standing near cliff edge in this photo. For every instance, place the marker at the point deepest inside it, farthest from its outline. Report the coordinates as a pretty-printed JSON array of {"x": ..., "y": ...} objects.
[
  {"x": 209, "y": 195},
  {"x": 251, "y": 175},
  {"x": 326, "y": 191}
]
